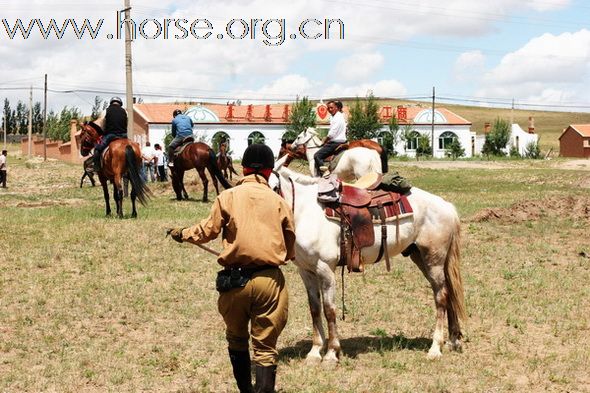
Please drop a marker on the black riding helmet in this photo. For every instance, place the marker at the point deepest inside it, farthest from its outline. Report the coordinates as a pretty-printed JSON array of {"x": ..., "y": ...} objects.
[
  {"x": 258, "y": 156},
  {"x": 116, "y": 100},
  {"x": 176, "y": 112}
]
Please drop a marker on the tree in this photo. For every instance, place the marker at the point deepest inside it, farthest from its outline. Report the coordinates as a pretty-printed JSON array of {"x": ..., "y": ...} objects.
[
  {"x": 21, "y": 118},
  {"x": 7, "y": 114},
  {"x": 407, "y": 134},
  {"x": 395, "y": 135},
  {"x": 37, "y": 118},
  {"x": 455, "y": 150},
  {"x": 98, "y": 107},
  {"x": 302, "y": 116},
  {"x": 532, "y": 150},
  {"x": 423, "y": 148},
  {"x": 364, "y": 119},
  {"x": 497, "y": 138},
  {"x": 58, "y": 126}
]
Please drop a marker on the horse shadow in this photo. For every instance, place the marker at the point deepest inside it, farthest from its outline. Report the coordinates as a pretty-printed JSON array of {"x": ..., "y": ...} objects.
[{"x": 354, "y": 346}]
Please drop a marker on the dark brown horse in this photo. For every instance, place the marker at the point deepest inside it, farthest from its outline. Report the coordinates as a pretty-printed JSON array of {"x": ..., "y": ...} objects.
[
  {"x": 224, "y": 161},
  {"x": 200, "y": 156},
  {"x": 122, "y": 157},
  {"x": 300, "y": 151}
]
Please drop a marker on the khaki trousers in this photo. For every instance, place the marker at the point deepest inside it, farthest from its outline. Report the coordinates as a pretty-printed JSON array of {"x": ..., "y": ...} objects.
[{"x": 264, "y": 303}]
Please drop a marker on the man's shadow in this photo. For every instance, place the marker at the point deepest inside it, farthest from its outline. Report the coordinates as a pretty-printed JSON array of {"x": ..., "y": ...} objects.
[{"x": 352, "y": 347}]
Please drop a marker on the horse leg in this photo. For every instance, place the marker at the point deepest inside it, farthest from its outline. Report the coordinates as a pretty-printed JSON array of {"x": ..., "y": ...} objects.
[
  {"x": 105, "y": 192},
  {"x": 214, "y": 179},
  {"x": 310, "y": 280},
  {"x": 203, "y": 177},
  {"x": 181, "y": 185},
  {"x": 431, "y": 264},
  {"x": 133, "y": 197},
  {"x": 328, "y": 288},
  {"x": 118, "y": 193}
]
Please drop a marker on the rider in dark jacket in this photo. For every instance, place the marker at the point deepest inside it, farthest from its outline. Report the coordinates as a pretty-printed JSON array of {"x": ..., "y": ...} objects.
[{"x": 115, "y": 127}]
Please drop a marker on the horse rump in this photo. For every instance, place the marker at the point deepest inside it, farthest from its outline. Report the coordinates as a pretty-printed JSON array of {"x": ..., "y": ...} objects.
[{"x": 214, "y": 169}]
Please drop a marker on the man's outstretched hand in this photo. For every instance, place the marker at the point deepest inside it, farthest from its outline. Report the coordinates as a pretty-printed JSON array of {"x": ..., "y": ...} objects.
[{"x": 175, "y": 233}]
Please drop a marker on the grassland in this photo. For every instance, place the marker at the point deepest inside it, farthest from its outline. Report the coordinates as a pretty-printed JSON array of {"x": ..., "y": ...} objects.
[{"x": 91, "y": 304}]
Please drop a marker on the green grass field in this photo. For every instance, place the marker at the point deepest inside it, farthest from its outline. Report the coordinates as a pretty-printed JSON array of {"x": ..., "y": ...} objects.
[{"x": 95, "y": 304}]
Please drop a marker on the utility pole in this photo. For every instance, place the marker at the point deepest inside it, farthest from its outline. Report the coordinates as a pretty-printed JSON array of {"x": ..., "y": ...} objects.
[
  {"x": 45, "y": 121},
  {"x": 432, "y": 124},
  {"x": 4, "y": 128},
  {"x": 30, "y": 128},
  {"x": 512, "y": 113},
  {"x": 128, "y": 70}
]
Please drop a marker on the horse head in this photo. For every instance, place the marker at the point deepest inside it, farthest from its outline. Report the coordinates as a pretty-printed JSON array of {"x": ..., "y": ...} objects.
[
  {"x": 304, "y": 138},
  {"x": 89, "y": 134}
]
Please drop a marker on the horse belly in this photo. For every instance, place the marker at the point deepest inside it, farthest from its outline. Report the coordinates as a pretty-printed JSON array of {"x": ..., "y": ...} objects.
[{"x": 394, "y": 247}]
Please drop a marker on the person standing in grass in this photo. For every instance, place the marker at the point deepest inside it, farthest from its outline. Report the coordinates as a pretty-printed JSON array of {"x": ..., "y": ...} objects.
[
  {"x": 160, "y": 162},
  {"x": 3, "y": 172},
  {"x": 258, "y": 236}
]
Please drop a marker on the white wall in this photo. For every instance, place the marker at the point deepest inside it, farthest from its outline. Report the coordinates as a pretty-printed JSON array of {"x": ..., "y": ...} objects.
[
  {"x": 238, "y": 134},
  {"x": 463, "y": 132}
]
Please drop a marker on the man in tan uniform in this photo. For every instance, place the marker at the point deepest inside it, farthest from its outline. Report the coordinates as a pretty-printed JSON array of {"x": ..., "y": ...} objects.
[{"x": 258, "y": 236}]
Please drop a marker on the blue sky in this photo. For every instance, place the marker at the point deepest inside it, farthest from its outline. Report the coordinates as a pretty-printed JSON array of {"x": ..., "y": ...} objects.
[{"x": 536, "y": 52}]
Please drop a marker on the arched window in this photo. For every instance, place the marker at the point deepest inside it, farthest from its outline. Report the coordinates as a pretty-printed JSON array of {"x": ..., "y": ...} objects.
[
  {"x": 256, "y": 137},
  {"x": 218, "y": 138},
  {"x": 412, "y": 141},
  {"x": 445, "y": 139}
]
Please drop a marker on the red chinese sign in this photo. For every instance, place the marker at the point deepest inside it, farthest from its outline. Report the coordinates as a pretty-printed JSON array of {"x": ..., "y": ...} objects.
[
  {"x": 402, "y": 113},
  {"x": 322, "y": 111}
]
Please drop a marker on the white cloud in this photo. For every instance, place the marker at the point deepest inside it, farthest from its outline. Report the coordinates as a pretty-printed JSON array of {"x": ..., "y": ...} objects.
[
  {"x": 549, "y": 68},
  {"x": 382, "y": 88},
  {"x": 469, "y": 66},
  {"x": 359, "y": 66}
]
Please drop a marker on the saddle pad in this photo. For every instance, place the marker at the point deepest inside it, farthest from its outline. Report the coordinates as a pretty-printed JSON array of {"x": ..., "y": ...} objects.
[
  {"x": 334, "y": 160},
  {"x": 178, "y": 151},
  {"x": 393, "y": 212}
]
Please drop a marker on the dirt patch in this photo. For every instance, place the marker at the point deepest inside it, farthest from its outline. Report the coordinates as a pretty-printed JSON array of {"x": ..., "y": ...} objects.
[
  {"x": 532, "y": 210},
  {"x": 49, "y": 203}
]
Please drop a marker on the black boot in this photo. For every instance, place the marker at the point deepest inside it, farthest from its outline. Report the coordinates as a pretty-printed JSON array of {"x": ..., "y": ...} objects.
[
  {"x": 96, "y": 161},
  {"x": 265, "y": 379},
  {"x": 240, "y": 361}
]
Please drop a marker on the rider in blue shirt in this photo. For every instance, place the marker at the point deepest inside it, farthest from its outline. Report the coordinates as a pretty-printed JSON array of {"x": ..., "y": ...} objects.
[{"x": 182, "y": 126}]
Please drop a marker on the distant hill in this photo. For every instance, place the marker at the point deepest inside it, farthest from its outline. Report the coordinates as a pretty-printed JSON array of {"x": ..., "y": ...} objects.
[{"x": 549, "y": 125}]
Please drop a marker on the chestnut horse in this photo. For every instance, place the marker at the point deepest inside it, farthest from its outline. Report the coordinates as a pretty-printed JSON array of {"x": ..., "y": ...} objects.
[
  {"x": 200, "y": 156},
  {"x": 224, "y": 161},
  {"x": 122, "y": 157}
]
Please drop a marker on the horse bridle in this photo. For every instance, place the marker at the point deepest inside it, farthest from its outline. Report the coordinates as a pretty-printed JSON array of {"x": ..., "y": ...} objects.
[
  {"x": 279, "y": 190},
  {"x": 307, "y": 141},
  {"x": 86, "y": 142}
]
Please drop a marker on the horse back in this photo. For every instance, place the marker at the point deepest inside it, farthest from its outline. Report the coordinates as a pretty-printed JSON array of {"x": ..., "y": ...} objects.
[
  {"x": 196, "y": 154},
  {"x": 114, "y": 162}
]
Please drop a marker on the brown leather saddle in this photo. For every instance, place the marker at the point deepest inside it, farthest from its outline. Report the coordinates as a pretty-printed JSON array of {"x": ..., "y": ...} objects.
[
  {"x": 185, "y": 142},
  {"x": 359, "y": 208}
]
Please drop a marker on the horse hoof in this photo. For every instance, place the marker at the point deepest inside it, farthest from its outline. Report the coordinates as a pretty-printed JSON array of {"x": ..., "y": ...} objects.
[
  {"x": 434, "y": 355},
  {"x": 330, "y": 363},
  {"x": 134, "y": 215},
  {"x": 456, "y": 346},
  {"x": 313, "y": 360}
]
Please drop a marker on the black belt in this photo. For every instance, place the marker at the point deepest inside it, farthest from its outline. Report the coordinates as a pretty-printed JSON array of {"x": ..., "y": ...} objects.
[{"x": 249, "y": 270}]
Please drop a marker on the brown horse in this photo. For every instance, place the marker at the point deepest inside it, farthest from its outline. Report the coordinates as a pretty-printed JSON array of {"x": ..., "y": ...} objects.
[
  {"x": 300, "y": 152},
  {"x": 122, "y": 157},
  {"x": 224, "y": 162},
  {"x": 200, "y": 156}
]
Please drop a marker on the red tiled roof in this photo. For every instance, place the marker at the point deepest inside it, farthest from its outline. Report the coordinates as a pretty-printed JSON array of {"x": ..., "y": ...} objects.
[
  {"x": 269, "y": 114},
  {"x": 583, "y": 129}
]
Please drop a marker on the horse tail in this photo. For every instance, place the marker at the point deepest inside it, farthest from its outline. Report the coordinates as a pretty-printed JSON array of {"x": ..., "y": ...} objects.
[
  {"x": 383, "y": 155},
  {"x": 215, "y": 170},
  {"x": 141, "y": 190},
  {"x": 453, "y": 273}
]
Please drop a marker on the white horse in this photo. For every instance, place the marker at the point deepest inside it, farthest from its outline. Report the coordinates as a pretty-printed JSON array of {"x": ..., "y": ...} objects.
[
  {"x": 353, "y": 164},
  {"x": 430, "y": 236}
]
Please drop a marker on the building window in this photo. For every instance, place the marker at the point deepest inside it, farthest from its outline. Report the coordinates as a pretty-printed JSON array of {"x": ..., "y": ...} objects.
[
  {"x": 445, "y": 139},
  {"x": 412, "y": 141},
  {"x": 219, "y": 138},
  {"x": 256, "y": 138}
]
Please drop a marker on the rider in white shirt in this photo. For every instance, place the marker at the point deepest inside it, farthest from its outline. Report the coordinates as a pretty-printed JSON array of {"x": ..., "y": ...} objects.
[{"x": 336, "y": 135}]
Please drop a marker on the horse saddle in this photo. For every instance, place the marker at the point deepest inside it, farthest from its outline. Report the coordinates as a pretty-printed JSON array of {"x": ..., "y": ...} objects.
[
  {"x": 359, "y": 208},
  {"x": 185, "y": 142}
]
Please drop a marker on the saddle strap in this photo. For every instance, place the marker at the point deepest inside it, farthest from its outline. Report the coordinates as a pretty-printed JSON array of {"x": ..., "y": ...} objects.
[{"x": 383, "y": 248}]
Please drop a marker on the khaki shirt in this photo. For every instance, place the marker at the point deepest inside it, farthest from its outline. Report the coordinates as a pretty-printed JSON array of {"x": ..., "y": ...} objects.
[{"x": 256, "y": 224}]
